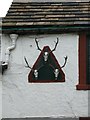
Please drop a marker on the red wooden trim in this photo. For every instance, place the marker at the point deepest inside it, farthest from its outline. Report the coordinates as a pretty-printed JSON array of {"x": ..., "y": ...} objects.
[
  {"x": 82, "y": 63},
  {"x": 83, "y": 87},
  {"x": 82, "y": 58},
  {"x": 84, "y": 118}
]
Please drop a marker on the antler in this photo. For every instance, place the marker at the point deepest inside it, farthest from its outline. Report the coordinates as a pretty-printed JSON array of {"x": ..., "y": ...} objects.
[
  {"x": 35, "y": 71},
  {"x": 55, "y": 45},
  {"x": 65, "y": 62},
  {"x": 37, "y": 44},
  {"x": 27, "y": 63}
]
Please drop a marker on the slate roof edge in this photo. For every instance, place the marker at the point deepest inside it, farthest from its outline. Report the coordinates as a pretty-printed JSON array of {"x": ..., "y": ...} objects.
[
  {"x": 52, "y": 2},
  {"x": 84, "y": 25}
]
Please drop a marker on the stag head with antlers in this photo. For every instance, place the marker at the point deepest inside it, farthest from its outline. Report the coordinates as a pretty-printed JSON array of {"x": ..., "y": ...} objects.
[{"x": 46, "y": 54}]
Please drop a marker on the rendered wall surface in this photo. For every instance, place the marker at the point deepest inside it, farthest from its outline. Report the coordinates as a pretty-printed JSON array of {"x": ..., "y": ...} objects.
[
  {"x": 22, "y": 99},
  {"x": 0, "y": 98},
  {"x": 41, "y": 118},
  {"x": 0, "y": 84}
]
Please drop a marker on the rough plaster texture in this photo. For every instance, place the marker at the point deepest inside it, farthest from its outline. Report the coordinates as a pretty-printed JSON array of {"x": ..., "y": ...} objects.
[
  {"x": 0, "y": 98},
  {"x": 0, "y": 84},
  {"x": 46, "y": 118},
  {"x": 88, "y": 103},
  {"x": 22, "y": 99}
]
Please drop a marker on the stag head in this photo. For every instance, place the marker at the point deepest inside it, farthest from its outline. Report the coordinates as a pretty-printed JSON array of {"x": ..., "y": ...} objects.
[
  {"x": 46, "y": 54},
  {"x": 45, "y": 57}
]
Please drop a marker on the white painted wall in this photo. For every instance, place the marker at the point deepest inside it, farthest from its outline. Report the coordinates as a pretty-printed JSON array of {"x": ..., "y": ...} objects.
[
  {"x": 22, "y": 99},
  {"x": 0, "y": 98},
  {"x": 0, "y": 85}
]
